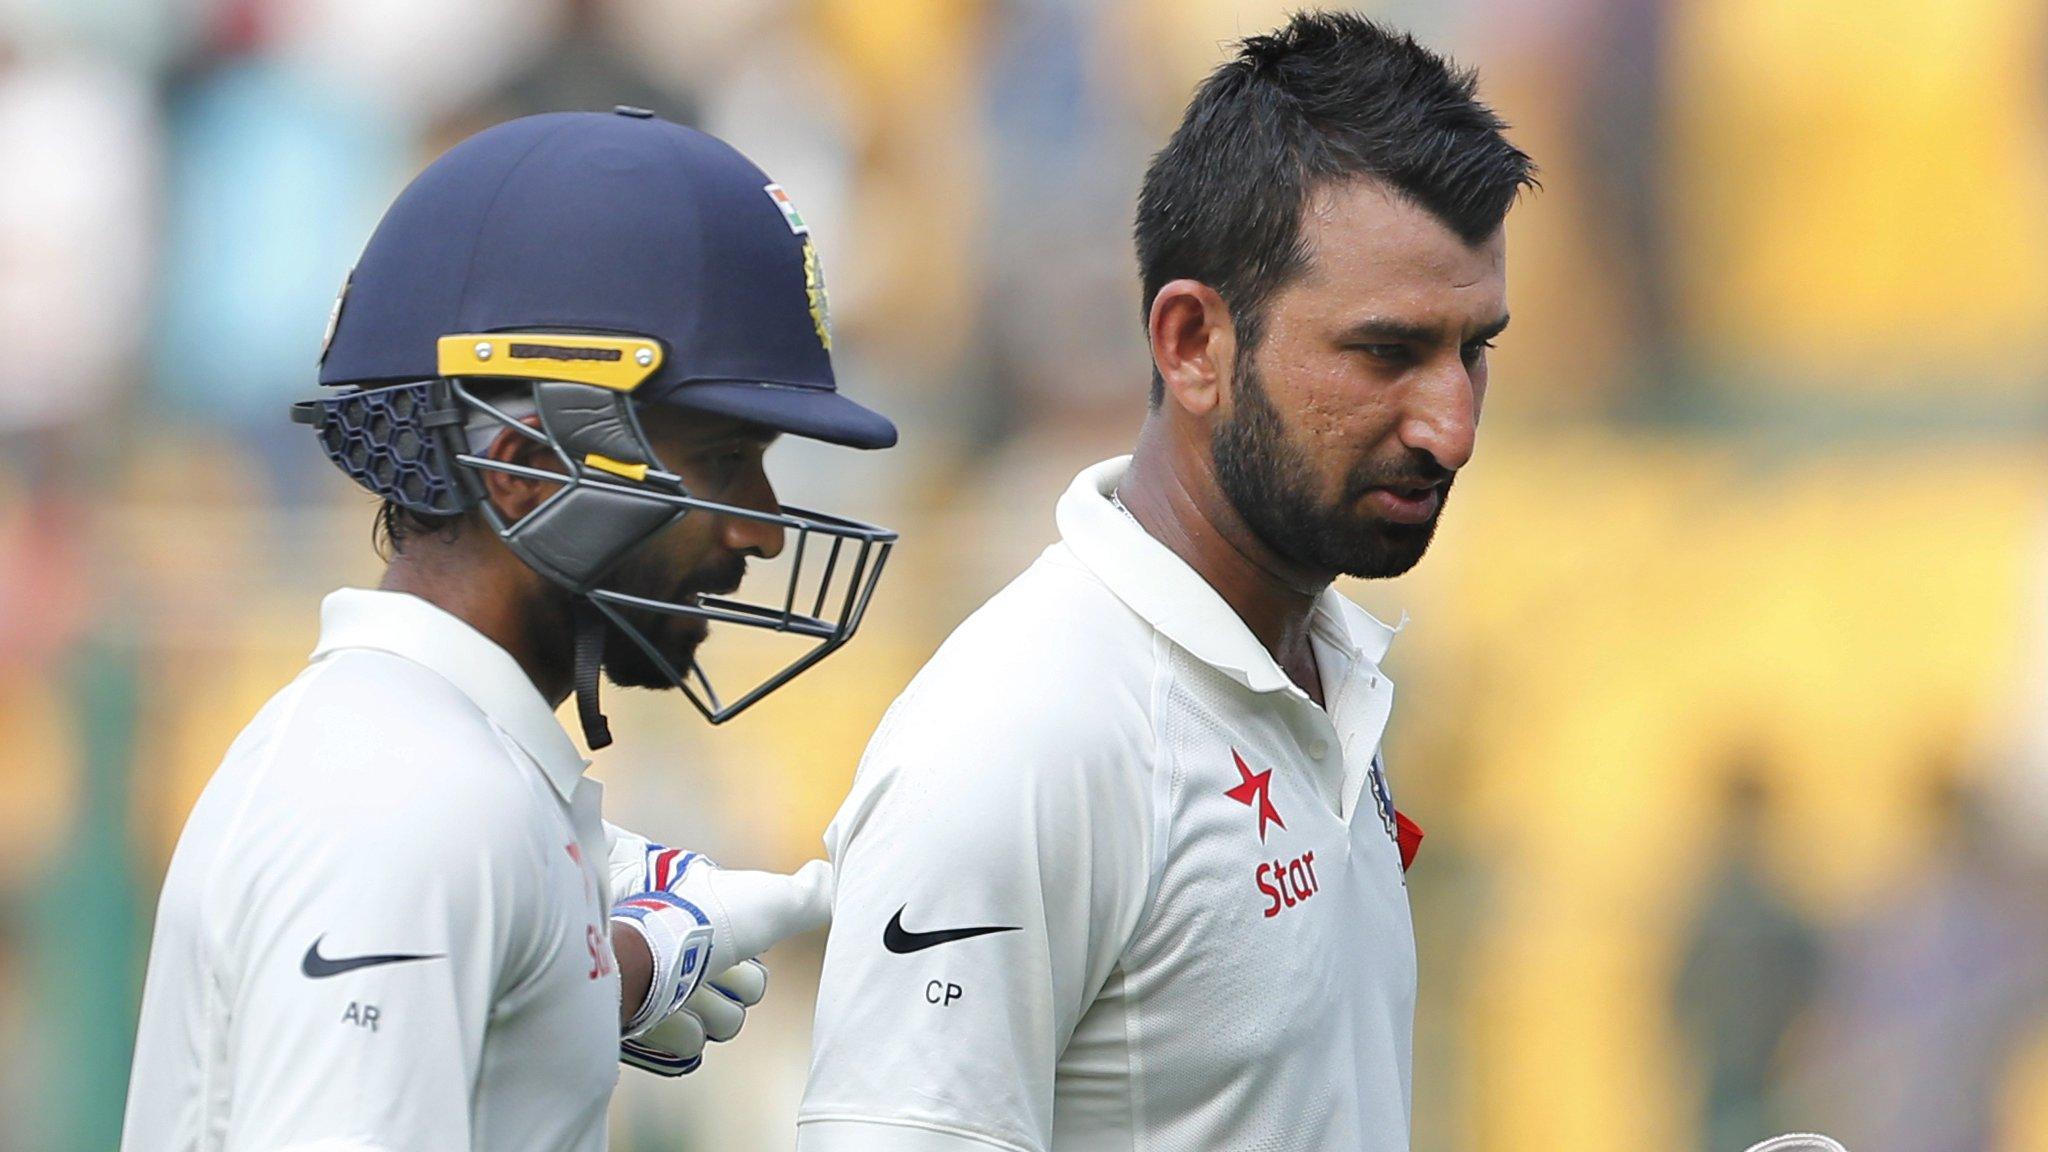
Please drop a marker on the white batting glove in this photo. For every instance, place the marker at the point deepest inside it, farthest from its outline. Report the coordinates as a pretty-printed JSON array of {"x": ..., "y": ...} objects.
[
  {"x": 698, "y": 918},
  {"x": 714, "y": 1012}
]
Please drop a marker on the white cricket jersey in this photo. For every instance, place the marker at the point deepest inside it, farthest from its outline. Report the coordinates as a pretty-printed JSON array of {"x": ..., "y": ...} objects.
[
  {"x": 385, "y": 923},
  {"x": 1108, "y": 880}
]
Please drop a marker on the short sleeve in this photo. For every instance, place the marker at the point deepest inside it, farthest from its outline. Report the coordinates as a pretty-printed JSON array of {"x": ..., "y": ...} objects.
[
  {"x": 992, "y": 867},
  {"x": 373, "y": 939}
]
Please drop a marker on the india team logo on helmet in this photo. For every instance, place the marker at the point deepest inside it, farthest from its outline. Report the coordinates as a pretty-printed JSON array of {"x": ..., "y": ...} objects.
[{"x": 814, "y": 291}]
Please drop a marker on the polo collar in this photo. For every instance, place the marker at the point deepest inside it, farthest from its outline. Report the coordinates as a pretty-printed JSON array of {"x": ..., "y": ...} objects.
[
  {"x": 1159, "y": 586},
  {"x": 409, "y": 627}
]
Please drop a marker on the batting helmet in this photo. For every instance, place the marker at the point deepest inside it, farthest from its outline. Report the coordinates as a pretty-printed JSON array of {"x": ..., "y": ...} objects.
[{"x": 595, "y": 263}]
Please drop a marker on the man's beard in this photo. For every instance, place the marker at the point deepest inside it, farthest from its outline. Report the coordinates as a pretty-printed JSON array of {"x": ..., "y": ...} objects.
[
  {"x": 1271, "y": 482},
  {"x": 675, "y": 635}
]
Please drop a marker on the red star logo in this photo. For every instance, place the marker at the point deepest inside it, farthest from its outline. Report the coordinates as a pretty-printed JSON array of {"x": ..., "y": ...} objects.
[{"x": 1255, "y": 788}]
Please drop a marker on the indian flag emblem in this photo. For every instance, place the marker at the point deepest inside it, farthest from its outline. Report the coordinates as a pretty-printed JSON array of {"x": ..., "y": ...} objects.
[
  {"x": 794, "y": 218},
  {"x": 814, "y": 287}
]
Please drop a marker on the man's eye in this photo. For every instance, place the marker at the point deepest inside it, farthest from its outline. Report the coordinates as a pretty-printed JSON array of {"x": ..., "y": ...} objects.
[
  {"x": 1391, "y": 353},
  {"x": 1476, "y": 350},
  {"x": 726, "y": 465}
]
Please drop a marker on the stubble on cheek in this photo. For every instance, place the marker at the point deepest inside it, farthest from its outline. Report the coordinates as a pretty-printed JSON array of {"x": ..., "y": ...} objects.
[{"x": 1337, "y": 436}]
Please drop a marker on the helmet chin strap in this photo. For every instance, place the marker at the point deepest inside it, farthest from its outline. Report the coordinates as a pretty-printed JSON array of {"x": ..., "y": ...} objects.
[{"x": 597, "y": 732}]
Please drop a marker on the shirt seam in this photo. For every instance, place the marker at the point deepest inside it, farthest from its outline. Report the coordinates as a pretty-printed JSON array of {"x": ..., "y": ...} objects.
[
  {"x": 213, "y": 946},
  {"x": 1134, "y": 1062},
  {"x": 1160, "y": 786},
  {"x": 518, "y": 973},
  {"x": 905, "y": 1122}
]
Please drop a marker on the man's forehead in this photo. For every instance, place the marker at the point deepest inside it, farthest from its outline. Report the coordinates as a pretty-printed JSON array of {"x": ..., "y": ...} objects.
[
  {"x": 681, "y": 425},
  {"x": 1366, "y": 237}
]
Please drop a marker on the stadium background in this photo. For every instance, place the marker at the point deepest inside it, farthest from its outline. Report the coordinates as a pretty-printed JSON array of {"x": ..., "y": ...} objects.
[{"x": 1724, "y": 695}]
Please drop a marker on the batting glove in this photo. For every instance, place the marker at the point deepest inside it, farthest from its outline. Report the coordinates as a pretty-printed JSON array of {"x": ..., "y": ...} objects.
[
  {"x": 700, "y": 919},
  {"x": 714, "y": 1012}
]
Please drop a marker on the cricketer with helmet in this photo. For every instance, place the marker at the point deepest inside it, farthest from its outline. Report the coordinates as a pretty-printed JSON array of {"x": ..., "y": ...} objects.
[{"x": 395, "y": 918}]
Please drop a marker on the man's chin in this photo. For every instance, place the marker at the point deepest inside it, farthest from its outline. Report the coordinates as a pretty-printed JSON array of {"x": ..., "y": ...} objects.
[
  {"x": 1384, "y": 550},
  {"x": 627, "y": 666}
]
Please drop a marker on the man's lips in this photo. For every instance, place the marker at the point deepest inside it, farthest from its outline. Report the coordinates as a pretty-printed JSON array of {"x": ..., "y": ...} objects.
[
  {"x": 695, "y": 591},
  {"x": 1406, "y": 505},
  {"x": 695, "y": 594}
]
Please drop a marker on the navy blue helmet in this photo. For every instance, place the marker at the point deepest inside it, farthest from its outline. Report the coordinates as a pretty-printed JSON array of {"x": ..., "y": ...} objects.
[{"x": 553, "y": 274}]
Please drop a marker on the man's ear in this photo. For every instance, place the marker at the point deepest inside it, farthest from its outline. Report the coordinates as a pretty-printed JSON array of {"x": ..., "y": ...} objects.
[
  {"x": 1194, "y": 345},
  {"x": 515, "y": 496}
]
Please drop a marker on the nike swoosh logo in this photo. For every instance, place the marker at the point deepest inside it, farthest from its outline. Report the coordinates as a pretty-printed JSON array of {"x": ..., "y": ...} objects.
[
  {"x": 318, "y": 967},
  {"x": 903, "y": 942}
]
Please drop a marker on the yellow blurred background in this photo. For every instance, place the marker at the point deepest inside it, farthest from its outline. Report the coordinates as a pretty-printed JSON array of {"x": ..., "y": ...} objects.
[{"x": 1724, "y": 693}]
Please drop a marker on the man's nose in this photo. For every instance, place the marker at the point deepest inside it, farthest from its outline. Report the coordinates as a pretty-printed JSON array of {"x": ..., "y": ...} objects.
[
  {"x": 747, "y": 535},
  {"x": 1442, "y": 416}
]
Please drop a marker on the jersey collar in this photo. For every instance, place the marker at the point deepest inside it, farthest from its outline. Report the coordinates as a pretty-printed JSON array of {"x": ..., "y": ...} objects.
[
  {"x": 409, "y": 627},
  {"x": 1172, "y": 597}
]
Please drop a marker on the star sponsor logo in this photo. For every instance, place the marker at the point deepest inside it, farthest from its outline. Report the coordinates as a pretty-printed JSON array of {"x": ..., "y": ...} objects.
[
  {"x": 1255, "y": 790},
  {"x": 1285, "y": 883},
  {"x": 1282, "y": 884}
]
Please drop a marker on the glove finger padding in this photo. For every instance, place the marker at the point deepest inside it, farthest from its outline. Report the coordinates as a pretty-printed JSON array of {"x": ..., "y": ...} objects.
[
  {"x": 714, "y": 1013},
  {"x": 745, "y": 982},
  {"x": 698, "y": 918},
  {"x": 682, "y": 1034},
  {"x": 720, "y": 1016}
]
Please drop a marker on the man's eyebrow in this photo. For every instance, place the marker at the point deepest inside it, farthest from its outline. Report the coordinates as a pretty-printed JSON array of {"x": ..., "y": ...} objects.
[{"x": 1387, "y": 330}]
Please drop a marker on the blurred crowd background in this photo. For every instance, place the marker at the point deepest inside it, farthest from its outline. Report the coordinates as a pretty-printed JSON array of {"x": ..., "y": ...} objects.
[{"x": 1724, "y": 694}]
